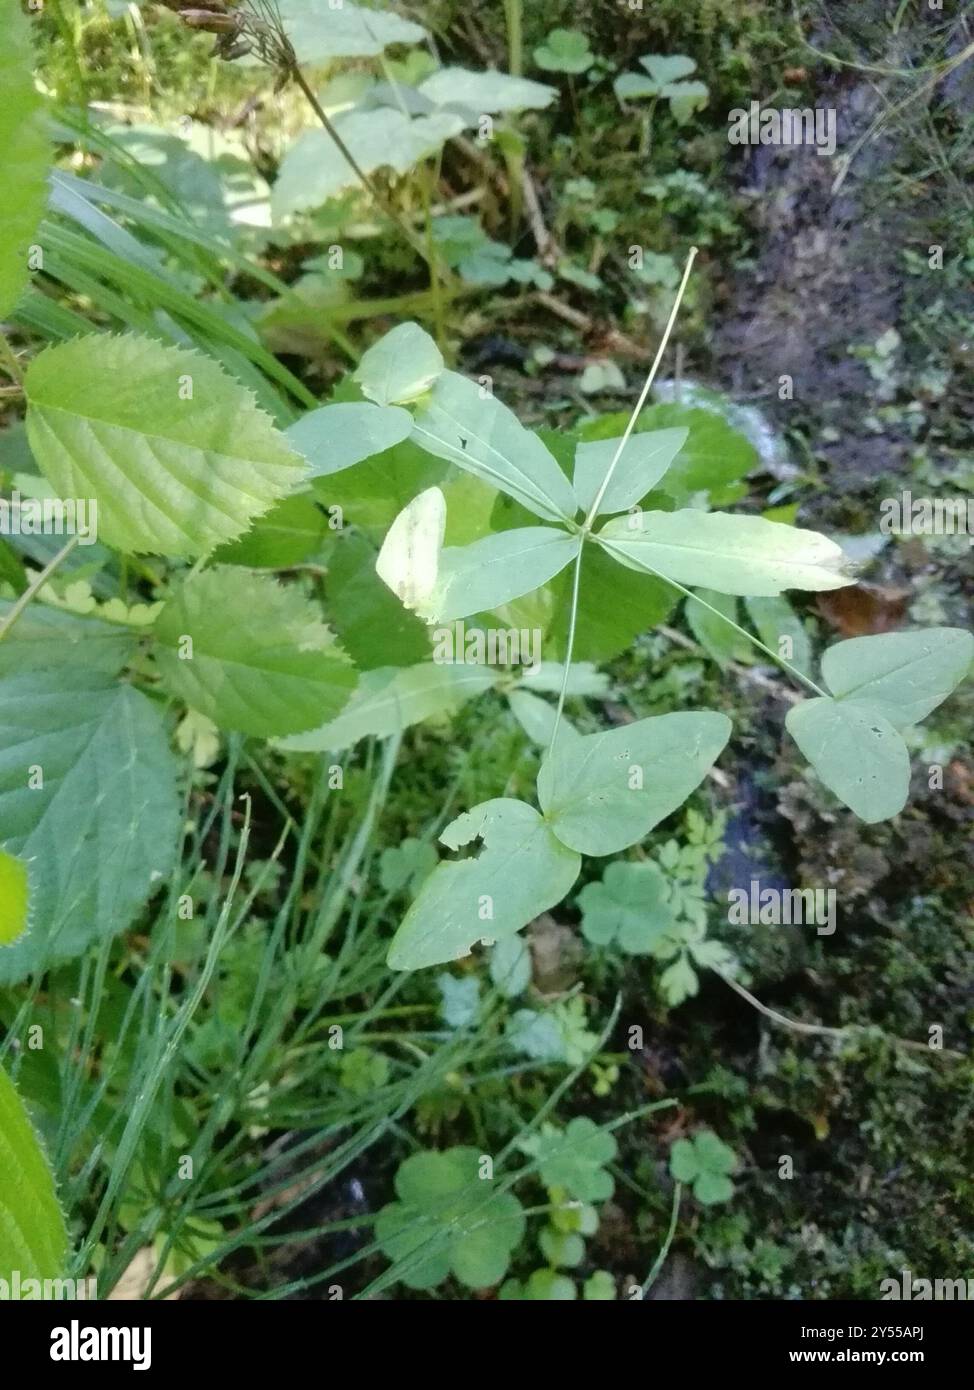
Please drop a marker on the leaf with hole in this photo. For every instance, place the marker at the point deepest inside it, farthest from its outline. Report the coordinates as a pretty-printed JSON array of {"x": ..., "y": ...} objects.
[
  {"x": 857, "y": 753},
  {"x": 521, "y": 870}
]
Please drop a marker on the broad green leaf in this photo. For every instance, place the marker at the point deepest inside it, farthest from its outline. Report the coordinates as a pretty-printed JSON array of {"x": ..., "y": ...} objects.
[
  {"x": 610, "y": 615},
  {"x": 372, "y": 494},
  {"x": 604, "y": 792},
  {"x": 390, "y": 699},
  {"x": 14, "y": 897},
  {"x": 45, "y": 639},
  {"x": 496, "y": 569},
  {"x": 409, "y": 561},
  {"x": 857, "y": 753},
  {"x": 337, "y": 436},
  {"x": 780, "y": 628},
  {"x": 251, "y": 654},
  {"x": 25, "y": 153},
  {"x": 320, "y": 30},
  {"x": 714, "y": 634},
  {"x": 642, "y": 463},
  {"x": 537, "y": 718},
  {"x": 175, "y": 452},
  {"x": 400, "y": 367},
  {"x": 12, "y": 568},
  {"x": 371, "y": 623},
  {"x": 489, "y": 93},
  {"x": 685, "y": 98},
  {"x": 902, "y": 675},
  {"x": 33, "y": 1238},
  {"x": 88, "y": 799},
  {"x": 449, "y": 1219},
  {"x": 713, "y": 459},
  {"x": 732, "y": 554},
  {"x": 288, "y": 534},
  {"x": 315, "y": 170},
  {"x": 520, "y": 871},
  {"x": 470, "y": 427}
]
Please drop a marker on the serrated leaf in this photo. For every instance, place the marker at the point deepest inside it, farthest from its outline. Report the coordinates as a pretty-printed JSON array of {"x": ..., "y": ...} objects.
[
  {"x": 171, "y": 476},
  {"x": 642, "y": 463},
  {"x": 496, "y": 569},
  {"x": 471, "y": 428},
  {"x": 732, "y": 554},
  {"x": 902, "y": 675},
  {"x": 389, "y": 700},
  {"x": 520, "y": 872},
  {"x": 604, "y": 792},
  {"x": 371, "y": 623},
  {"x": 88, "y": 799},
  {"x": 14, "y": 897},
  {"x": 400, "y": 367},
  {"x": 251, "y": 654},
  {"x": 287, "y": 535},
  {"x": 33, "y": 1238},
  {"x": 373, "y": 493},
  {"x": 25, "y": 153},
  {"x": 340, "y": 435},
  {"x": 857, "y": 753}
]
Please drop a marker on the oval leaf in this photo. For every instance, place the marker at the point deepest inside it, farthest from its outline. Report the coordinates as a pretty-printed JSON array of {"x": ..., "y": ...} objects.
[
  {"x": 732, "y": 554},
  {"x": 903, "y": 675},
  {"x": 604, "y": 792},
  {"x": 251, "y": 655},
  {"x": 642, "y": 463},
  {"x": 409, "y": 561},
  {"x": 857, "y": 753},
  {"x": 470, "y": 427},
  {"x": 496, "y": 569},
  {"x": 400, "y": 367},
  {"x": 33, "y": 1239},
  {"x": 175, "y": 452},
  {"x": 520, "y": 872}
]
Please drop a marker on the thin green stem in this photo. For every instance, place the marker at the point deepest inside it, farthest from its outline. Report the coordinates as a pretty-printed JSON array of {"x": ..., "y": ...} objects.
[
  {"x": 34, "y": 588},
  {"x": 660, "y": 1260},
  {"x": 513, "y": 12},
  {"x": 8, "y": 360}
]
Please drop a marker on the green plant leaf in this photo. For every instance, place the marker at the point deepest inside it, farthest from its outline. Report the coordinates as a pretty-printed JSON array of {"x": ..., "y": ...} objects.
[
  {"x": 171, "y": 476},
  {"x": 574, "y": 1158},
  {"x": 642, "y": 463},
  {"x": 287, "y": 535},
  {"x": 599, "y": 1287},
  {"x": 510, "y": 966},
  {"x": 390, "y": 699},
  {"x": 46, "y": 639},
  {"x": 716, "y": 636},
  {"x": 520, "y": 871},
  {"x": 409, "y": 560},
  {"x": 857, "y": 753},
  {"x": 732, "y": 554},
  {"x": 372, "y": 625},
  {"x": 400, "y": 367},
  {"x": 403, "y": 867},
  {"x": 251, "y": 654},
  {"x": 537, "y": 718},
  {"x": 604, "y": 792},
  {"x": 496, "y": 569},
  {"x": 901, "y": 675},
  {"x": 25, "y": 153},
  {"x": 470, "y": 427},
  {"x": 776, "y": 620},
  {"x": 565, "y": 50},
  {"x": 33, "y": 1238},
  {"x": 487, "y": 93},
  {"x": 372, "y": 494},
  {"x": 88, "y": 799},
  {"x": 14, "y": 898},
  {"x": 627, "y": 908},
  {"x": 320, "y": 30},
  {"x": 340, "y": 435},
  {"x": 449, "y": 1219},
  {"x": 705, "y": 1162},
  {"x": 667, "y": 67}
]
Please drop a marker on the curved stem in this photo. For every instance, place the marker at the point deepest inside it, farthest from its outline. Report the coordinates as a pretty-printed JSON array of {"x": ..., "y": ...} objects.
[{"x": 35, "y": 586}]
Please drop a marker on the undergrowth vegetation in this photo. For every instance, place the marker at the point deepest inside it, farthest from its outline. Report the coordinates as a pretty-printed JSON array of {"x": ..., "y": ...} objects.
[{"x": 410, "y": 674}]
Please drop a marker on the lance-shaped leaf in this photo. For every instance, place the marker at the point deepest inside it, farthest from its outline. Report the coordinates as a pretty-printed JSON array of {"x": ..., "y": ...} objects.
[
  {"x": 340, "y": 435},
  {"x": 781, "y": 629},
  {"x": 537, "y": 718},
  {"x": 25, "y": 153},
  {"x": 174, "y": 451},
  {"x": 14, "y": 897},
  {"x": 732, "y": 554},
  {"x": 856, "y": 752},
  {"x": 391, "y": 699},
  {"x": 604, "y": 792},
  {"x": 901, "y": 675},
  {"x": 496, "y": 569},
  {"x": 642, "y": 463},
  {"x": 33, "y": 1238},
  {"x": 470, "y": 427},
  {"x": 251, "y": 655},
  {"x": 88, "y": 800},
  {"x": 520, "y": 871},
  {"x": 409, "y": 561},
  {"x": 400, "y": 367}
]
